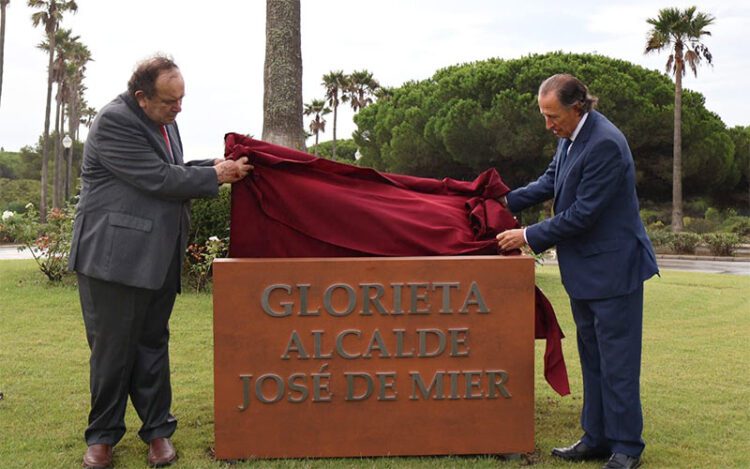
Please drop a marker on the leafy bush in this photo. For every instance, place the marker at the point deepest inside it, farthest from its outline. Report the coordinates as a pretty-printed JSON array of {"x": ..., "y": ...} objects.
[
  {"x": 661, "y": 237},
  {"x": 200, "y": 260},
  {"x": 210, "y": 217},
  {"x": 48, "y": 243},
  {"x": 738, "y": 225},
  {"x": 722, "y": 244},
  {"x": 701, "y": 225},
  {"x": 685, "y": 242}
]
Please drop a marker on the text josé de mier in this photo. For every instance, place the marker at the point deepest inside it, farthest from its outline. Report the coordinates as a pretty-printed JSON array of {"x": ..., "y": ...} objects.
[{"x": 341, "y": 300}]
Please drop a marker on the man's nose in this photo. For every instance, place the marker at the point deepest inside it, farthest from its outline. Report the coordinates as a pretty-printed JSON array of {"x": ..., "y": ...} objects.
[{"x": 548, "y": 123}]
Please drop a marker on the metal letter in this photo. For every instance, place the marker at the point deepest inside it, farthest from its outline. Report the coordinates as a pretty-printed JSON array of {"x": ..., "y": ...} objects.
[
  {"x": 495, "y": 385},
  {"x": 397, "y": 309},
  {"x": 386, "y": 384},
  {"x": 295, "y": 345},
  {"x": 446, "y": 286},
  {"x": 340, "y": 343},
  {"x": 423, "y": 353},
  {"x": 264, "y": 303},
  {"x": 318, "y": 346},
  {"x": 456, "y": 341},
  {"x": 437, "y": 384},
  {"x": 367, "y": 298},
  {"x": 300, "y": 388},
  {"x": 304, "y": 289},
  {"x": 416, "y": 298},
  {"x": 352, "y": 298},
  {"x": 350, "y": 386},
  {"x": 376, "y": 337},
  {"x": 400, "y": 344},
  {"x": 245, "y": 392},
  {"x": 476, "y": 300},
  {"x": 259, "y": 388},
  {"x": 471, "y": 384}
]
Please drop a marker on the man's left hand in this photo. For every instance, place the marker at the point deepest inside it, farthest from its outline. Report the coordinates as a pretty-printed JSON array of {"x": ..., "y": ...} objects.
[{"x": 511, "y": 239}]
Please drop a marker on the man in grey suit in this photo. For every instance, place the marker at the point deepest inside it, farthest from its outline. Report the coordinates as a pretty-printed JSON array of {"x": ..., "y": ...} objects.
[
  {"x": 604, "y": 255},
  {"x": 129, "y": 237}
]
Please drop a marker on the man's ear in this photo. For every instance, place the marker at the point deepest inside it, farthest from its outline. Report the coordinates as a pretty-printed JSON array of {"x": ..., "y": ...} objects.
[{"x": 140, "y": 96}]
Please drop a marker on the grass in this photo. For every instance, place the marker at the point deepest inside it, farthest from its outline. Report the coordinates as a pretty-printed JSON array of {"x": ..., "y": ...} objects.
[{"x": 695, "y": 380}]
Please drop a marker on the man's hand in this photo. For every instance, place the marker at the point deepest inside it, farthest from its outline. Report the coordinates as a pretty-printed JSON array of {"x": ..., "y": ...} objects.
[
  {"x": 511, "y": 239},
  {"x": 232, "y": 170}
]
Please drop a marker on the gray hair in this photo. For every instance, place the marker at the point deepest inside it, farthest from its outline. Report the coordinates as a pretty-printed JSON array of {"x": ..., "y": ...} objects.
[
  {"x": 147, "y": 71},
  {"x": 570, "y": 91}
]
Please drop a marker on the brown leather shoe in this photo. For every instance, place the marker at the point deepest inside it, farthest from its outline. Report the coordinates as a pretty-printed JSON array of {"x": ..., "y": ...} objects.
[
  {"x": 98, "y": 456},
  {"x": 161, "y": 452}
]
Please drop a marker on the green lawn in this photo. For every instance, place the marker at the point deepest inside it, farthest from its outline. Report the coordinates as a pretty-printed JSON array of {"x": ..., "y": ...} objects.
[{"x": 695, "y": 385}]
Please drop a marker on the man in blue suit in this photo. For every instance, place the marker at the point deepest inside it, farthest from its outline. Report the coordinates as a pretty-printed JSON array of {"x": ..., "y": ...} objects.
[{"x": 604, "y": 256}]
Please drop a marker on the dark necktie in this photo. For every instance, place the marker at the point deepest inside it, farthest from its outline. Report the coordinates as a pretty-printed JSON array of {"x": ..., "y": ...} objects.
[
  {"x": 166, "y": 140},
  {"x": 566, "y": 146}
]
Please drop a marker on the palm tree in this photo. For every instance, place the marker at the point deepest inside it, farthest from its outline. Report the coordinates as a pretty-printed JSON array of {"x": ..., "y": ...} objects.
[
  {"x": 79, "y": 56},
  {"x": 317, "y": 124},
  {"x": 282, "y": 75},
  {"x": 361, "y": 89},
  {"x": 3, "y": 5},
  {"x": 680, "y": 32},
  {"x": 49, "y": 15},
  {"x": 64, "y": 44},
  {"x": 335, "y": 84}
]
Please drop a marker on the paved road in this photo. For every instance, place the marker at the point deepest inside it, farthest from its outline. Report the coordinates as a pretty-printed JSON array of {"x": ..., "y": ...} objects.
[
  {"x": 11, "y": 252},
  {"x": 736, "y": 267}
]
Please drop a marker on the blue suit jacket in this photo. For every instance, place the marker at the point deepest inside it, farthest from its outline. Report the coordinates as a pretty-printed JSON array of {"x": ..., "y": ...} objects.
[{"x": 602, "y": 247}]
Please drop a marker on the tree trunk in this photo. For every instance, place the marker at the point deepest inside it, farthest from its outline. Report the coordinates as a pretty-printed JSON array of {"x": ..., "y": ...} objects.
[
  {"x": 282, "y": 75},
  {"x": 57, "y": 175},
  {"x": 73, "y": 120},
  {"x": 333, "y": 145},
  {"x": 3, "y": 4},
  {"x": 677, "y": 155},
  {"x": 45, "y": 138}
]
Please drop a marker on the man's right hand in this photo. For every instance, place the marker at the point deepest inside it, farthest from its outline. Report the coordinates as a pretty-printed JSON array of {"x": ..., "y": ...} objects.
[{"x": 232, "y": 170}]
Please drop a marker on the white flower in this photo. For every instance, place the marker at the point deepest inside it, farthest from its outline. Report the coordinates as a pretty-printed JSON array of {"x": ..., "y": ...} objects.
[
  {"x": 214, "y": 239},
  {"x": 8, "y": 215},
  {"x": 29, "y": 205}
]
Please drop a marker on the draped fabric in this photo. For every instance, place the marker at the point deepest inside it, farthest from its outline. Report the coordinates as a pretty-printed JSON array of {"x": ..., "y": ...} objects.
[{"x": 297, "y": 205}]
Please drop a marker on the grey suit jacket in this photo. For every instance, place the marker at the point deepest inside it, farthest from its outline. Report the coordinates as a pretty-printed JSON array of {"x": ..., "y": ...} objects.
[{"x": 134, "y": 205}]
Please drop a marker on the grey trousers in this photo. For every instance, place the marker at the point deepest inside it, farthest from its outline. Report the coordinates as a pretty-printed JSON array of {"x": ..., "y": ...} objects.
[{"x": 127, "y": 329}]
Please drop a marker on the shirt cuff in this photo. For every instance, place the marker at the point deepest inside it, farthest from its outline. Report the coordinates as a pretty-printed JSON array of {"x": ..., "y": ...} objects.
[{"x": 525, "y": 239}]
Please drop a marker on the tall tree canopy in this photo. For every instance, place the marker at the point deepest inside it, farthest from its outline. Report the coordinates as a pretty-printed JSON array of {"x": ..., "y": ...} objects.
[
  {"x": 470, "y": 117},
  {"x": 680, "y": 32}
]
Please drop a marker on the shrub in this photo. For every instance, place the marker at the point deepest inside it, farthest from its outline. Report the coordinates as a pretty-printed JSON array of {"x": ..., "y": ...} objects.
[
  {"x": 701, "y": 225},
  {"x": 661, "y": 237},
  {"x": 48, "y": 243},
  {"x": 200, "y": 258},
  {"x": 738, "y": 225},
  {"x": 210, "y": 217},
  {"x": 722, "y": 244},
  {"x": 685, "y": 243}
]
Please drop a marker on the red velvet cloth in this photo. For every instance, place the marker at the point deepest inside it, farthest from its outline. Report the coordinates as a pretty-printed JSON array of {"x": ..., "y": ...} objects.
[{"x": 297, "y": 205}]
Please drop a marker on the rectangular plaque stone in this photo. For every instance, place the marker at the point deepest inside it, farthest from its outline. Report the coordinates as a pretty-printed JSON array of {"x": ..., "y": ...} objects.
[{"x": 339, "y": 357}]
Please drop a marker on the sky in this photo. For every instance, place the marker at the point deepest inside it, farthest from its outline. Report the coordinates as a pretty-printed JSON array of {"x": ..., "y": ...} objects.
[{"x": 220, "y": 48}]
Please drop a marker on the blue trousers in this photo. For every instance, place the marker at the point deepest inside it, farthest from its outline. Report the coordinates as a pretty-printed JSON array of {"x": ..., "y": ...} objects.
[{"x": 609, "y": 335}]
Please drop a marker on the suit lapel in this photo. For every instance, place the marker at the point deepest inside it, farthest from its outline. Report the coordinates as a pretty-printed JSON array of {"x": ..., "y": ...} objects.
[{"x": 576, "y": 148}]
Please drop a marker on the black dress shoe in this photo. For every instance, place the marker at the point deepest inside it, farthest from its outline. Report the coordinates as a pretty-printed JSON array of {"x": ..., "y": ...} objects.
[
  {"x": 622, "y": 461},
  {"x": 579, "y": 451}
]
